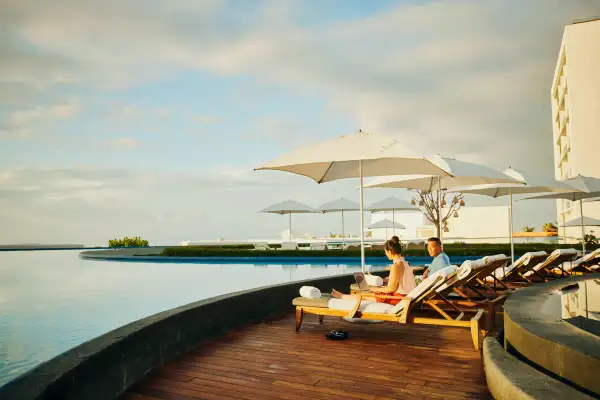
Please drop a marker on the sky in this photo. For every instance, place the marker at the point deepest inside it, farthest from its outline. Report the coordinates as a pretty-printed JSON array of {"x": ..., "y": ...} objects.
[{"x": 147, "y": 117}]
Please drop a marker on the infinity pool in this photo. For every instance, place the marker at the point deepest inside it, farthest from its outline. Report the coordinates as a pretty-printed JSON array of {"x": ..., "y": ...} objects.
[{"x": 51, "y": 301}]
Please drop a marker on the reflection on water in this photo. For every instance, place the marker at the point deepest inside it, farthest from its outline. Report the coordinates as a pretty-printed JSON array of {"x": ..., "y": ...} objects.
[{"x": 51, "y": 301}]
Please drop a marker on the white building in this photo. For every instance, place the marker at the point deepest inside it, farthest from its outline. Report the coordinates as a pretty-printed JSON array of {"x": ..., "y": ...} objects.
[
  {"x": 473, "y": 224},
  {"x": 575, "y": 96}
]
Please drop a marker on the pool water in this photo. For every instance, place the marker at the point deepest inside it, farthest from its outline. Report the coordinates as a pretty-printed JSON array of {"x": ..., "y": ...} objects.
[{"x": 52, "y": 301}]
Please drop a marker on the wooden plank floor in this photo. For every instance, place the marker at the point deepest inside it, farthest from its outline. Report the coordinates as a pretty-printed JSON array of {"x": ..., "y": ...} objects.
[{"x": 272, "y": 361}]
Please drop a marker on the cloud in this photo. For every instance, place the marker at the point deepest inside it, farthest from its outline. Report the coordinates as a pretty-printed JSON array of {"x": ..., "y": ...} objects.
[
  {"x": 23, "y": 123},
  {"x": 123, "y": 143},
  {"x": 449, "y": 77},
  {"x": 90, "y": 205},
  {"x": 131, "y": 111},
  {"x": 208, "y": 119}
]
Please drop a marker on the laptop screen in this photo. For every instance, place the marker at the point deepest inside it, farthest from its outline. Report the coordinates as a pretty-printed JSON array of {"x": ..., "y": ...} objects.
[{"x": 361, "y": 281}]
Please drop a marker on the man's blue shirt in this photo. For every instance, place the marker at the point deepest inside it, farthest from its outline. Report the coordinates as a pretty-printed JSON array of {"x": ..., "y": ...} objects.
[{"x": 438, "y": 263}]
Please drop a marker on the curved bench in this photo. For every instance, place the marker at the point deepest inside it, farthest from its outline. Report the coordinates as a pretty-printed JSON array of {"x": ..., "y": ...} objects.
[
  {"x": 551, "y": 344},
  {"x": 106, "y": 366}
]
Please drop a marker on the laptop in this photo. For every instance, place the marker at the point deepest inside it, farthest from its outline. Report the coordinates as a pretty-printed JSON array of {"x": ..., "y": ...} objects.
[{"x": 361, "y": 281}]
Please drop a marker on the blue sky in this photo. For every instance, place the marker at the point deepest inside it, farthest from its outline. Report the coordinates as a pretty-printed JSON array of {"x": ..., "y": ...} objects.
[{"x": 146, "y": 118}]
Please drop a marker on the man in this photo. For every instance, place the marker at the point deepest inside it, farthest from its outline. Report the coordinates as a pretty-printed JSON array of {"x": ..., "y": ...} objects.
[{"x": 440, "y": 259}]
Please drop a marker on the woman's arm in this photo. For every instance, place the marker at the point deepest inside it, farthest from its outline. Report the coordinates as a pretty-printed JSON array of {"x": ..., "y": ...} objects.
[{"x": 396, "y": 273}]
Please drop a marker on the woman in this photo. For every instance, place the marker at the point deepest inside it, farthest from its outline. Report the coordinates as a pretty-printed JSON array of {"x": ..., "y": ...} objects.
[{"x": 401, "y": 280}]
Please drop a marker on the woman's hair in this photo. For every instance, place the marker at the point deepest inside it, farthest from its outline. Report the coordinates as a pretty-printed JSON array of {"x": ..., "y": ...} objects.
[{"x": 393, "y": 245}]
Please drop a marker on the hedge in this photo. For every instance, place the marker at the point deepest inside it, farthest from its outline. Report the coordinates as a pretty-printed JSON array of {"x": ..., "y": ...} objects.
[{"x": 450, "y": 249}]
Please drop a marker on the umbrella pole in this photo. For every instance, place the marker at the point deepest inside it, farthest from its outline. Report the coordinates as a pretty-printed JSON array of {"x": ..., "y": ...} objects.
[
  {"x": 582, "y": 226},
  {"x": 440, "y": 210},
  {"x": 290, "y": 227},
  {"x": 394, "y": 224},
  {"x": 511, "y": 228},
  {"x": 362, "y": 219},
  {"x": 343, "y": 230}
]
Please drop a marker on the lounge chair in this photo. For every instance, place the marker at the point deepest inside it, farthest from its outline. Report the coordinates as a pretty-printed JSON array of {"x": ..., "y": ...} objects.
[
  {"x": 404, "y": 312},
  {"x": 555, "y": 260},
  {"x": 452, "y": 292},
  {"x": 262, "y": 246},
  {"x": 289, "y": 246},
  {"x": 318, "y": 246},
  {"x": 506, "y": 275},
  {"x": 588, "y": 263}
]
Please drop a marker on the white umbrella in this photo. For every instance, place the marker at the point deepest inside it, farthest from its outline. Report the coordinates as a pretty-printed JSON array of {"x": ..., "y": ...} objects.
[
  {"x": 532, "y": 185},
  {"x": 464, "y": 174},
  {"x": 392, "y": 204},
  {"x": 586, "y": 187},
  {"x": 355, "y": 156},
  {"x": 386, "y": 224},
  {"x": 587, "y": 221},
  {"x": 339, "y": 205},
  {"x": 288, "y": 207}
]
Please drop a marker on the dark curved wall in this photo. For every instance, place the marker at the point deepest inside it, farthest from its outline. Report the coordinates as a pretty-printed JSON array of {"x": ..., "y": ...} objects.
[{"x": 105, "y": 367}]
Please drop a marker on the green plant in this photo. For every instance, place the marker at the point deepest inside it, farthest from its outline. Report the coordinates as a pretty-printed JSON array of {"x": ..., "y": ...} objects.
[
  {"x": 549, "y": 227},
  {"x": 128, "y": 242},
  {"x": 528, "y": 228},
  {"x": 590, "y": 239}
]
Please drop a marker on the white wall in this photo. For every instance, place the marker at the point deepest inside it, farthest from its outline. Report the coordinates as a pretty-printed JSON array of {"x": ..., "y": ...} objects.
[{"x": 474, "y": 224}]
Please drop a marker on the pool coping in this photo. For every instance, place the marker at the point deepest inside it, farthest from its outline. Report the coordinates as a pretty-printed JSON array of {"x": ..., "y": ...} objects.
[{"x": 552, "y": 344}]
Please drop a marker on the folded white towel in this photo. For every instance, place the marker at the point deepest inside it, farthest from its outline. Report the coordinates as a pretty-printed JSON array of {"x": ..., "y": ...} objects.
[
  {"x": 365, "y": 306},
  {"x": 373, "y": 280},
  {"x": 310, "y": 292}
]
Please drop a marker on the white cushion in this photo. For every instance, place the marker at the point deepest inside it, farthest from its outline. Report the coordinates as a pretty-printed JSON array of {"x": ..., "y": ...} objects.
[
  {"x": 365, "y": 306},
  {"x": 425, "y": 285}
]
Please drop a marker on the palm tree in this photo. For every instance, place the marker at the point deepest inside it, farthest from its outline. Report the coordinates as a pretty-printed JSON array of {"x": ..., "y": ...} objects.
[
  {"x": 549, "y": 227},
  {"x": 528, "y": 229}
]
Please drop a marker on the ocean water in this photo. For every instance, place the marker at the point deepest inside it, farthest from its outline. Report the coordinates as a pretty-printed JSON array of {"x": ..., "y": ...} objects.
[{"x": 52, "y": 301}]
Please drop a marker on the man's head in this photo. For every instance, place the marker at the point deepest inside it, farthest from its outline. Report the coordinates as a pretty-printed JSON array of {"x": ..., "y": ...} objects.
[{"x": 434, "y": 246}]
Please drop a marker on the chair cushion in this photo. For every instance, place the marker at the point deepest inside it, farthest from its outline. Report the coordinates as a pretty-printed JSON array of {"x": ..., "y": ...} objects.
[{"x": 305, "y": 302}]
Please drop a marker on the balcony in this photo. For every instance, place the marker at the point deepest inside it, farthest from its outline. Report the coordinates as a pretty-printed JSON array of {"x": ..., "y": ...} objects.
[
  {"x": 564, "y": 118},
  {"x": 565, "y": 145}
]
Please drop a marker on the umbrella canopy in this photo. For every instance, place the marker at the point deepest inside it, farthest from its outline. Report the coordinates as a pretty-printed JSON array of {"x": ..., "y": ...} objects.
[
  {"x": 289, "y": 207},
  {"x": 392, "y": 204},
  {"x": 586, "y": 186},
  {"x": 386, "y": 223},
  {"x": 464, "y": 174},
  {"x": 339, "y": 158},
  {"x": 355, "y": 156},
  {"x": 339, "y": 205},
  {"x": 532, "y": 185},
  {"x": 587, "y": 221}
]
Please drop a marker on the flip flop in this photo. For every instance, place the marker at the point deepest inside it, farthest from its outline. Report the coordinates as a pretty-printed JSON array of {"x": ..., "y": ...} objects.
[{"x": 337, "y": 335}]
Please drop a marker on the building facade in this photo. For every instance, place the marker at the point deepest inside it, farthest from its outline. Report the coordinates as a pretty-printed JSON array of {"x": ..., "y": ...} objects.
[
  {"x": 575, "y": 97},
  {"x": 473, "y": 225}
]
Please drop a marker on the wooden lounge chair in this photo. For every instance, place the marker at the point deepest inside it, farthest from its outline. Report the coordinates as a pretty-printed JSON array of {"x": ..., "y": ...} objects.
[
  {"x": 588, "y": 263},
  {"x": 406, "y": 311},
  {"x": 506, "y": 275},
  {"x": 453, "y": 294},
  {"x": 542, "y": 271}
]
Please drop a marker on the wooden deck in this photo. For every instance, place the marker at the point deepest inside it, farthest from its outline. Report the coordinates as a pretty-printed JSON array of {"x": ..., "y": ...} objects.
[{"x": 272, "y": 361}]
